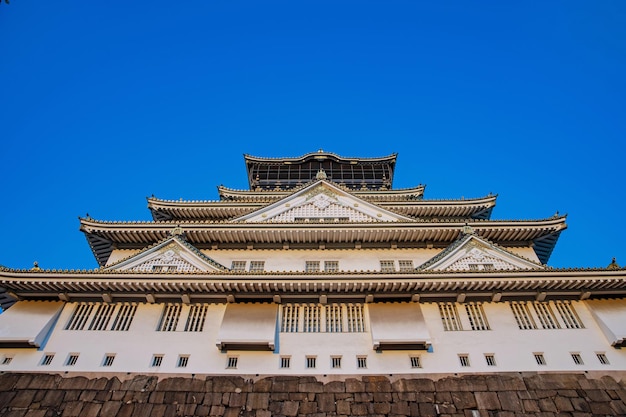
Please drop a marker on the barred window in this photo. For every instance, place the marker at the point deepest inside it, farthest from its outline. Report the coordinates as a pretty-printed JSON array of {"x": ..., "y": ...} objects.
[
  {"x": 602, "y": 358},
  {"x": 415, "y": 362},
  {"x": 108, "y": 360},
  {"x": 331, "y": 266},
  {"x": 169, "y": 318},
  {"x": 356, "y": 322},
  {"x": 311, "y": 361},
  {"x": 7, "y": 360},
  {"x": 539, "y": 358},
  {"x": 522, "y": 316},
  {"x": 312, "y": 266},
  {"x": 290, "y": 318},
  {"x": 335, "y": 362},
  {"x": 333, "y": 318},
  {"x": 156, "y": 361},
  {"x": 196, "y": 318},
  {"x": 231, "y": 362},
  {"x": 183, "y": 360},
  {"x": 578, "y": 360},
  {"x": 285, "y": 362},
  {"x": 546, "y": 315},
  {"x": 124, "y": 317},
  {"x": 449, "y": 317},
  {"x": 79, "y": 317},
  {"x": 311, "y": 317},
  {"x": 405, "y": 265},
  {"x": 257, "y": 266},
  {"x": 330, "y": 318},
  {"x": 490, "y": 359},
  {"x": 464, "y": 360},
  {"x": 47, "y": 359},
  {"x": 361, "y": 362},
  {"x": 568, "y": 315},
  {"x": 238, "y": 266},
  {"x": 101, "y": 315},
  {"x": 71, "y": 359},
  {"x": 387, "y": 266},
  {"x": 476, "y": 316}
]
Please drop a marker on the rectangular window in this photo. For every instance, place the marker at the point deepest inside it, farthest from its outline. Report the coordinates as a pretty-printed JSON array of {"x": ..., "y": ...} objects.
[
  {"x": 476, "y": 316},
  {"x": 310, "y": 362},
  {"x": 312, "y": 266},
  {"x": 257, "y": 266},
  {"x": 183, "y": 360},
  {"x": 334, "y": 323},
  {"x": 79, "y": 317},
  {"x": 156, "y": 361},
  {"x": 108, "y": 360},
  {"x": 196, "y": 317},
  {"x": 361, "y": 362},
  {"x": 71, "y": 359},
  {"x": 47, "y": 359},
  {"x": 464, "y": 360},
  {"x": 405, "y": 265},
  {"x": 124, "y": 317},
  {"x": 449, "y": 317},
  {"x": 578, "y": 360},
  {"x": 335, "y": 362},
  {"x": 331, "y": 266},
  {"x": 490, "y": 359},
  {"x": 101, "y": 317},
  {"x": 522, "y": 316},
  {"x": 568, "y": 315},
  {"x": 285, "y": 362},
  {"x": 169, "y": 318},
  {"x": 546, "y": 315},
  {"x": 356, "y": 322},
  {"x": 387, "y": 266},
  {"x": 311, "y": 317},
  {"x": 238, "y": 266},
  {"x": 231, "y": 362},
  {"x": 7, "y": 360},
  {"x": 416, "y": 362},
  {"x": 539, "y": 358},
  {"x": 602, "y": 358},
  {"x": 290, "y": 319}
]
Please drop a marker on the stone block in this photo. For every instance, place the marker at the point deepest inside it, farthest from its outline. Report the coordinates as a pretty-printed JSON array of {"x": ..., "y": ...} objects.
[
  {"x": 400, "y": 407},
  {"x": 530, "y": 406},
  {"x": 403, "y": 396},
  {"x": 138, "y": 383},
  {"x": 421, "y": 384},
  {"x": 99, "y": 384},
  {"x": 103, "y": 396},
  {"x": 36, "y": 413},
  {"x": 156, "y": 397},
  {"x": 237, "y": 399},
  {"x": 90, "y": 410},
  {"x": 232, "y": 412},
  {"x": 308, "y": 407},
  {"x": 263, "y": 413},
  {"x": 603, "y": 408},
  {"x": 143, "y": 410},
  {"x": 311, "y": 387},
  {"x": 285, "y": 385},
  {"x": 8, "y": 381},
  {"x": 486, "y": 400},
  {"x": 563, "y": 404},
  {"x": 174, "y": 397},
  {"x": 463, "y": 400},
  {"x": 354, "y": 385},
  {"x": 385, "y": 396},
  {"x": 263, "y": 385},
  {"x": 546, "y": 404},
  {"x": 87, "y": 396},
  {"x": 596, "y": 395},
  {"x": 22, "y": 399},
  {"x": 610, "y": 383},
  {"x": 427, "y": 410},
  {"x": 78, "y": 382},
  {"x": 117, "y": 395},
  {"x": 378, "y": 385},
  {"x": 72, "y": 409},
  {"x": 21, "y": 412},
  {"x": 7, "y": 396},
  {"x": 227, "y": 383},
  {"x": 257, "y": 400},
  {"x": 126, "y": 410},
  {"x": 280, "y": 396},
  {"x": 509, "y": 401},
  {"x": 504, "y": 383},
  {"x": 580, "y": 404},
  {"x": 23, "y": 381},
  {"x": 445, "y": 408},
  {"x": 195, "y": 397},
  {"x": 326, "y": 402},
  {"x": 300, "y": 396},
  {"x": 359, "y": 409},
  {"x": 335, "y": 386},
  {"x": 363, "y": 397},
  {"x": 110, "y": 408},
  {"x": 425, "y": 397},
  {"x": 290, "y": 408},
  {"x": 343, "y": 407},
  {"x": 217, "y": 410},
  {"x": 618, "y": 407}
]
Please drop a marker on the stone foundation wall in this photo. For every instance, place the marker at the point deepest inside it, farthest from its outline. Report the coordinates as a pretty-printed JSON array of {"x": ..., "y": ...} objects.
[{"x": 545, "y": 395}]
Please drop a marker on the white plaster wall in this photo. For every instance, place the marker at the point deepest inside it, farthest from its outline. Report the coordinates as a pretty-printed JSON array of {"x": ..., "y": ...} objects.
[{"x": 513, "y": 348}]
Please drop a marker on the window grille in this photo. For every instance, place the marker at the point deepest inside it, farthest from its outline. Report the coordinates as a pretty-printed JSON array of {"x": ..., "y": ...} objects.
[
  {"x": 79, "y": 317},
  {"x": 476, "y": 316},
  {"x": 169, "y": 318},
  {"x": 71, "y": 359},
  {"x": 285, "y": 361},
  {"x": 312, "y": 266},
  {"x": 102, "y": 317},
  {"x": 331, "y": 266},
  {"x": 387, "y": 266},
  {"x": 416, "y": 362},
  {"x": 539, "y": 358},
  {"x": 490, "y": 359},
  {"x": 361, "y": 362},
  {"x": 602, "y": 359},
  {"x": 464, "y": 360},
  {"x": 546, "y": 315},
  {"x": 488, "y": 267},
  {"x": 238, "y": 266},
  {"x": 164, "y": 268},
  {"x": 257, "y": 266},
  {"x": 405, "y": 265},
  {"x": 578, "y": 360},
  {"x": 231, "y": 363},
  {"x": 522, "y": 316},
  {"x": 356, "y": 322},
  {"x": 290, "y": 318},
  {"x": 182, "y": 361},
  {"x": 335, "y": 362},
  {"x": 310, "y": 362},
  {"x": 47, "y": 359},
  {"x": 568, "y": 315},
  {"x": 7, "y": 360},
  {"x": 449, "y": 317},
  {"x": 196, "y": 318},
  {"x": 108, "y": 360},
  {"x": 311, "y": 316},
  {"x": 333, "y": 318},
  {"x": 124, "y": 317}
]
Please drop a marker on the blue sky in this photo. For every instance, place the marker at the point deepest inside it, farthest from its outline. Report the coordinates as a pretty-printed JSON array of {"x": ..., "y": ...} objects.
[{"x": 104, "y": 104}]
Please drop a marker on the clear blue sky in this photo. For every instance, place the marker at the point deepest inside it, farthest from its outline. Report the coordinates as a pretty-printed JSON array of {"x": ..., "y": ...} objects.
[{"x": 106, "y": 103}]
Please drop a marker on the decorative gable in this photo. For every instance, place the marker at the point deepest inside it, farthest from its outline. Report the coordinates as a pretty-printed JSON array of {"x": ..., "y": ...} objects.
[
  {"x": 322, "y": 201},
  {"x": 472, "y": 253},
  {"x": 172, "y": 255}
]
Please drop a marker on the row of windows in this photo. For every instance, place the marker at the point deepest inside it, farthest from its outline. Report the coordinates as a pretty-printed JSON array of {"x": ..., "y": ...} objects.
[
  {"x": 387, "y": 265},
  {"x": 315, "y": 318},
  {"x": 310, "y": 361},
  {"x": 116, "y": 317},
  {"x": 528, "y": 315}
]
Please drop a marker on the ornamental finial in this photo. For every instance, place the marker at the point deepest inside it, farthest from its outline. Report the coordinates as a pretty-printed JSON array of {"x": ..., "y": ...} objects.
[
  {"x": 613, "y": 265},
  {"x": 35, "y": 266},
  {"x": 321, "y": 175}
]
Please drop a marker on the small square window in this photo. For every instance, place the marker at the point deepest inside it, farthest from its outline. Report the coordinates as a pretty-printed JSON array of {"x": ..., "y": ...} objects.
[
  {"x": 7, "y": 360},
  {"x": 387, "y": 266},
  {"x": 490, "y": 359},
  {"x": 331, "y": 266},
  {"x": 602, "y": 359},
  {"x": 416, "y": 362},
  {"x": 231, "y": 363},
  {"x": 405, "y": 265},
  {"x": 71, "y": 359},
  {"x": 464, "y": 360},
  {"x": 238, "y": 266},
  {"x": 47, "y": 359},
  {"x": 156, "y": 361},
  {"x": 311, "y": 362},
  {"x": 312, "y": 266},
  {"x": 285, "y": 362},
  {"x": 361, "y": 362},
  {"x": 183, "y": 360},
  {"x": 257, "y": 266},
  {"x": 335, "y": 362},
  {"x": 578, "y": 360},
  {"x": 539, "y": 358},
  {"x": 108, "y": 360}
]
